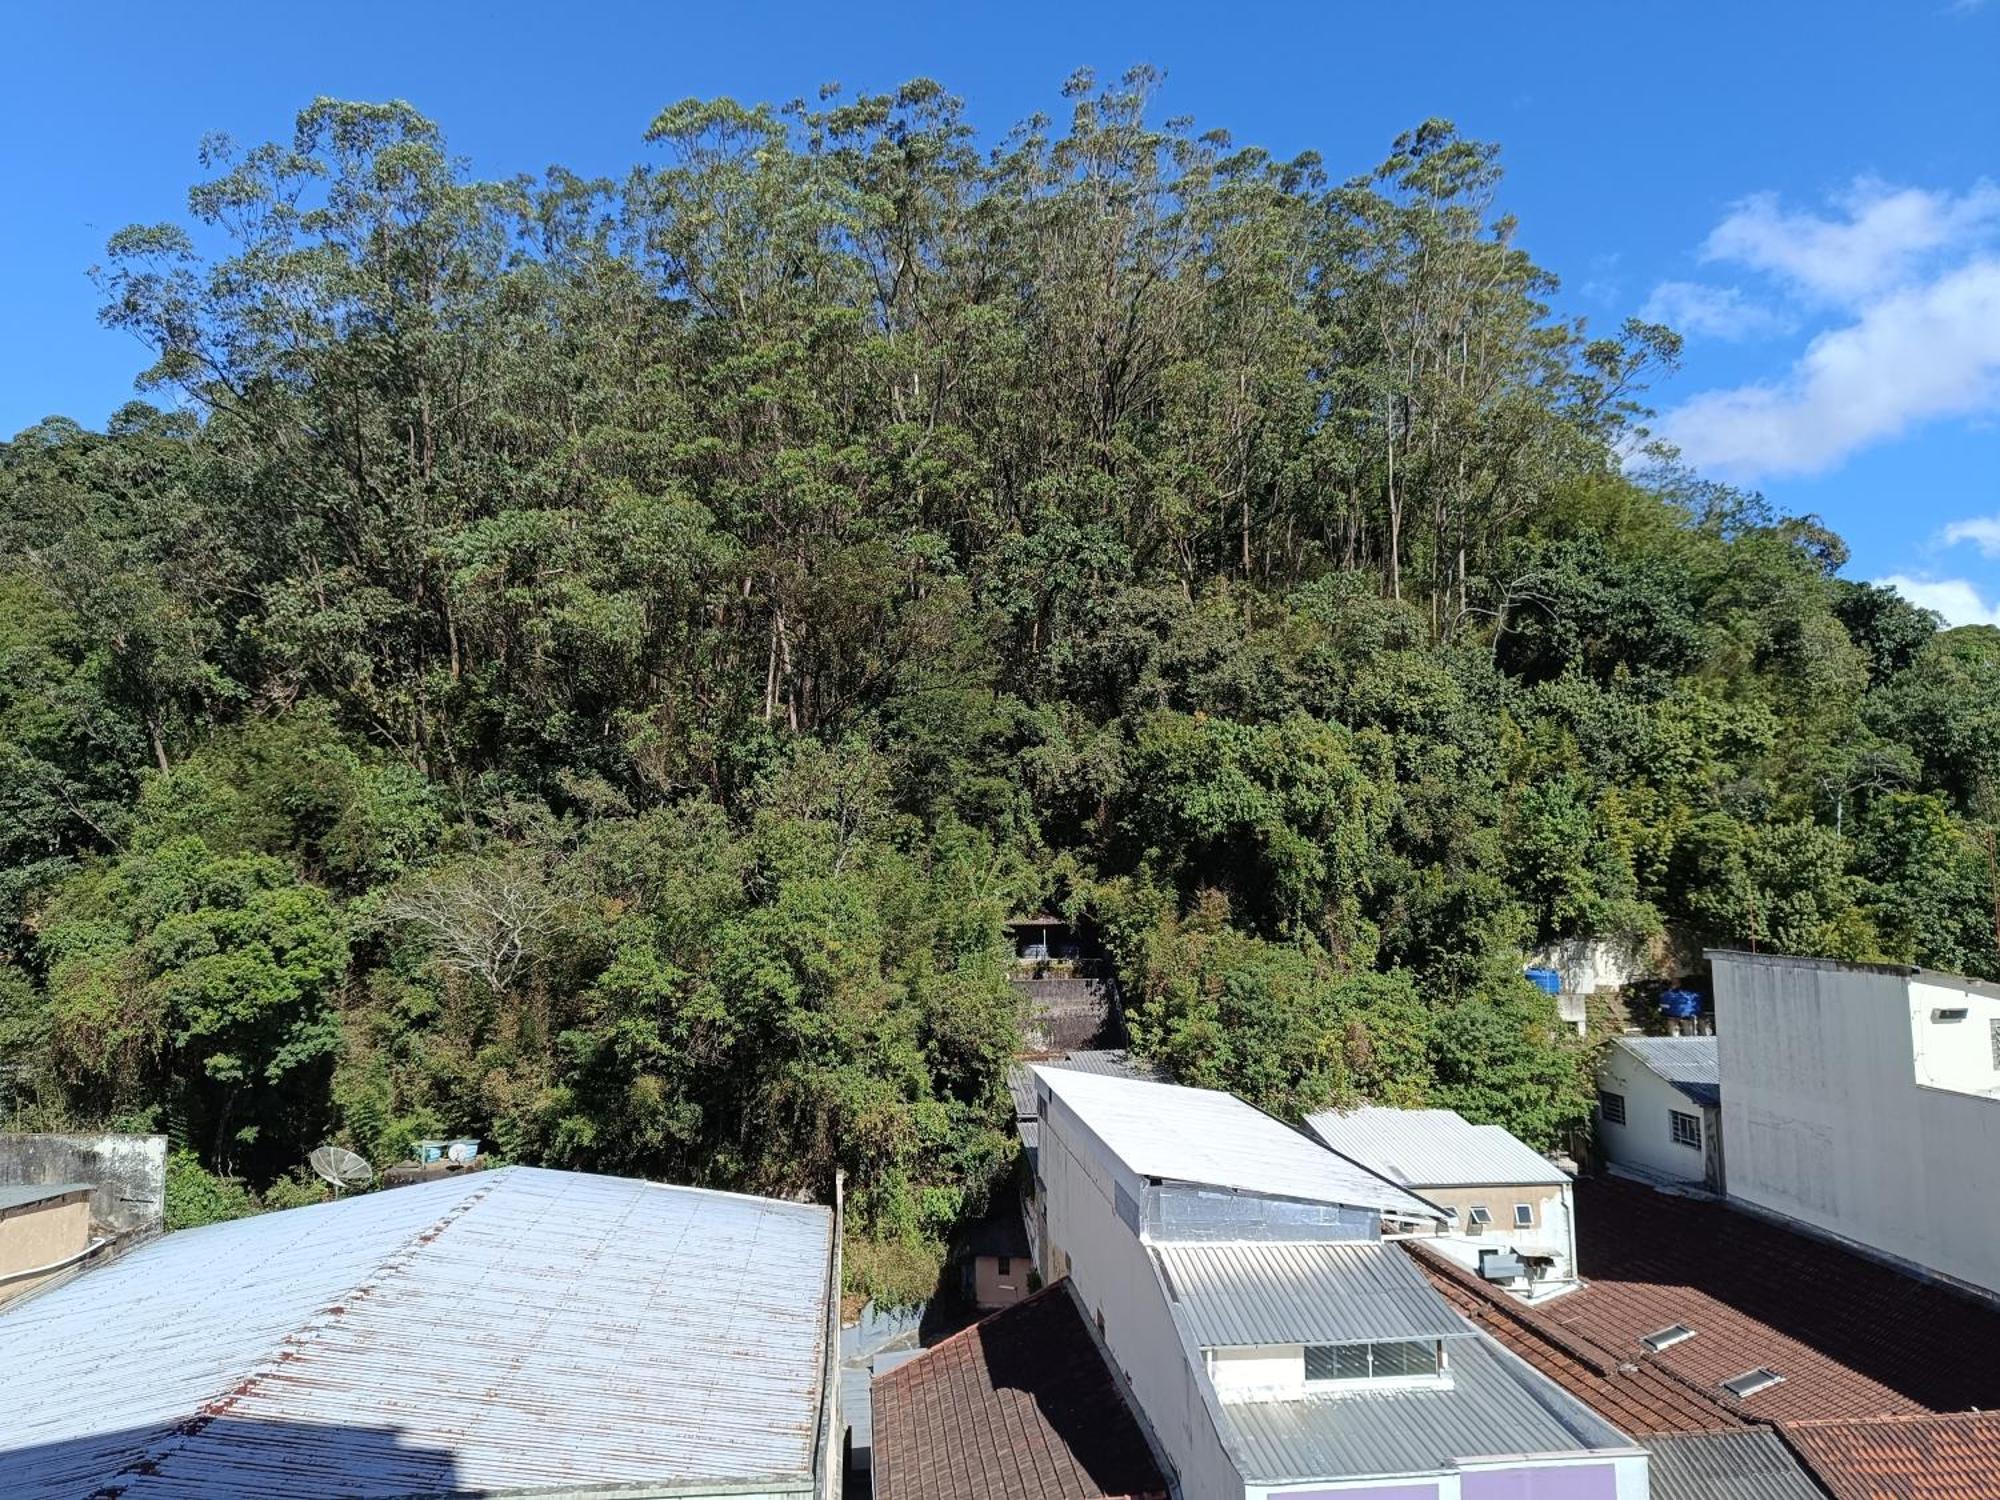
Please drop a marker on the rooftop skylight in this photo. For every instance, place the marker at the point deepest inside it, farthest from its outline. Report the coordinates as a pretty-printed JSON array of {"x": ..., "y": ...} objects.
[{"x": 1750, "y": 1382}]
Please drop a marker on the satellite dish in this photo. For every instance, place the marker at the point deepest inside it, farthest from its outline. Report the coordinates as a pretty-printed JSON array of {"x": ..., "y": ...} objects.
[{"x": 341, "y": 1167}]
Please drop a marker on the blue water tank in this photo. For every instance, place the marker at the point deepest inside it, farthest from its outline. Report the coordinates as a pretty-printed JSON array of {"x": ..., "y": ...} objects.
[
  {"x": 1681, "y": 1004},
  {"x": 1548, "y": 981}
]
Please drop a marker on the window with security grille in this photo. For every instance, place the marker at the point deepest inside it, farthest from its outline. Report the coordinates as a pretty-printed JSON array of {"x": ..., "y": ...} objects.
[
  {"x": 1335, "y": 1362},
  {"x": 1686, "y": 1128},
  {"x": 1611, "y": 1107}
]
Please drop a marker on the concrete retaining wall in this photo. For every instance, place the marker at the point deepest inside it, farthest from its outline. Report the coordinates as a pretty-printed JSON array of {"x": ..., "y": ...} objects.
[{"x": 128, "y": 1171}]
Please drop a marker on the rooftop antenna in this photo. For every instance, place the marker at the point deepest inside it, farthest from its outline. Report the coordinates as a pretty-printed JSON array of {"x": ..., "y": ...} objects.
[{"x": 341, "y": 1167}]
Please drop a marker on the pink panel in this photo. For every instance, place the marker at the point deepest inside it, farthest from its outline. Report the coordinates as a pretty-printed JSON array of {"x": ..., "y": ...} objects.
[{"x": 1564, "y": 1482}]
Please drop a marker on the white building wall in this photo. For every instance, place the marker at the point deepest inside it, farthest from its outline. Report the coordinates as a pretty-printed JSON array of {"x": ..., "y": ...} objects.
[
  {"x": 1848, "y": 1108},
  {"x": 1112, "y": 1273},
  {"x": 1646, "y": 1140},
  {"x": 1267, "y": 1371},
  {"x": 1949, "y": 1051}
]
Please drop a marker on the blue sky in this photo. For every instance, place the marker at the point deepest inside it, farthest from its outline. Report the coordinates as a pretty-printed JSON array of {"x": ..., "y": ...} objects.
[{"x": 1811, "y": 189}]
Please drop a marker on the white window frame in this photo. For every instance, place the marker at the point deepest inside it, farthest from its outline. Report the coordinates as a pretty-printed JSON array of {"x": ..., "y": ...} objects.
[
  {"x": 1666, "y": 1338},
  {"x": 1750, "y": 1382},
  {"x": 1681, "y": 1126},
  {"x": 1427, "y": 1380},
  {"x": 1524, "y": 1216}
]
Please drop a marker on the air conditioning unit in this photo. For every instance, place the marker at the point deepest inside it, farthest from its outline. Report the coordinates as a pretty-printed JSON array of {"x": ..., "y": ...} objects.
[{"x": 1501, "y": 1265}]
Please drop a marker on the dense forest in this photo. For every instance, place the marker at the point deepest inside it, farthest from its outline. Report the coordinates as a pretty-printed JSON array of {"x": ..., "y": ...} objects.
[{"x": 593, "y": 664}]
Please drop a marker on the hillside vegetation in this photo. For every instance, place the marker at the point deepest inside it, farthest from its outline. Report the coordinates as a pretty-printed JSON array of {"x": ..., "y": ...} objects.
[{"x": 593, "y": 664}]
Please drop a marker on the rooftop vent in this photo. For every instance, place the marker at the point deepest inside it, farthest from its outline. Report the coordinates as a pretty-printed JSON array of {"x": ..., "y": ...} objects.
[
  {"x": 1666, "y": 1338},
  {"x": 1750, "y": 1382}
]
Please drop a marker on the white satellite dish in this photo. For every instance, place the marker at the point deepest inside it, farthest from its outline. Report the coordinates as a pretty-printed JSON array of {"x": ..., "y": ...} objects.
[{"x": 341, "y": 1167}]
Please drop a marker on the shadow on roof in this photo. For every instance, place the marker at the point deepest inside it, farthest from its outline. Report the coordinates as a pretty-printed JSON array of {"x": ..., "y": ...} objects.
[
  {"x": 228, "y": 1458},
  {"x": 1851, "y": 1336},
  {"x": 1020, "y": 1405}
]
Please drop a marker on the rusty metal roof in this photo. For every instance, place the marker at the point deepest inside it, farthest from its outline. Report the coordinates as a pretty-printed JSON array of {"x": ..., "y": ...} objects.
[{"x": 517, "y": 1330}]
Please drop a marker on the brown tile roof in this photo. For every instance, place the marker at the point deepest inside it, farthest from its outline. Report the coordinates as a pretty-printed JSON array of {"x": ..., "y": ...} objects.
[
  {"x": 1850, "y": 1336},
  {"x": 1880, "y": 1369},
  {"x": 1635, "y": 1396},
  {"x": 1904, "y": 1458},
  {"x": 1020, "y": 1406}
]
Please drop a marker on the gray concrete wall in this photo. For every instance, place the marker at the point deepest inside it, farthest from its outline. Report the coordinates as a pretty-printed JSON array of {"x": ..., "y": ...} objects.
[
  {"x": 129, "y": 1173},
  {"x": 1830, "y": 1116}
]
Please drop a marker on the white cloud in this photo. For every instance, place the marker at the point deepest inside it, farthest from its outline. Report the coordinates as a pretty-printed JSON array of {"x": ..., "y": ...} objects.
[
  {"x": 1982, "y": 531},
  {"x": 1717, "y": 312},
  {"x": 1883, "y": 234},
  {"x": 1911, "y": 356},
  {"x": 1956, "y": 599}
]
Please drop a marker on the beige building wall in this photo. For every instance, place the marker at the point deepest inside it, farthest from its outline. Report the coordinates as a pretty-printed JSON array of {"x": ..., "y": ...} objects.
[
  {"x": 1544, "y": 1200},
  {"x": 41, "y": 1234},
  {"x": 993, "y": 1287}
]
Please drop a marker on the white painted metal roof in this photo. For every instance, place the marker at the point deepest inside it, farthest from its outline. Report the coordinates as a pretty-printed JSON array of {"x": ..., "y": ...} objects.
[
  {"x": 1204, "y": 1136},
  {"x": 1419, "y": 1148},
  {"x": 514, "y": 1330},
  {"x": 1361, "y": 1292}
]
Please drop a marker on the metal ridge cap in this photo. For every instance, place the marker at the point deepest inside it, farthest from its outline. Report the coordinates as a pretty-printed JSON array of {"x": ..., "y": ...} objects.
[{"x": 172, "y": 1438}]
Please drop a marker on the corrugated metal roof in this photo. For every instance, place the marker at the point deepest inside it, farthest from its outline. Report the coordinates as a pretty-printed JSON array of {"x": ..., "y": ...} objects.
[
  {"x": 1108, "y": 1062},
  {"x": 1204, "y": 1136},
  {"x": 30, "y": 1193},
  {"x": 1745, "y": 1463},
  {"x": 1492, "y": 1407},
  {"x": 1420, "y": 1148},
  {"x": 1240, "y": 1294},
  {"x": 1689, "y": 1063},
  {"x": 513, "y": 1330}
]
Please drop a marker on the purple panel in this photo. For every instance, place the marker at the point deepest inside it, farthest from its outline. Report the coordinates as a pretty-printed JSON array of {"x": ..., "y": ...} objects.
[
  {"x": 1379, "y": 1492},
  {"x": 1550, "y": 1482}
]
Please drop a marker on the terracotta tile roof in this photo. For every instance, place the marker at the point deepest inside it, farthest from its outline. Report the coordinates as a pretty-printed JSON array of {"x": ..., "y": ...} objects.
[
  {"x": 1020, "y": 1406},
  {"x": 1953, "y": 1457},
  {"x": 1880, "y": 1369},
  {"x": 1635, "y": 1396},
  {"x": 1851, "y": 1337}
]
